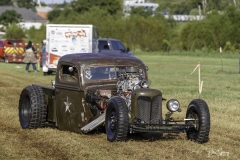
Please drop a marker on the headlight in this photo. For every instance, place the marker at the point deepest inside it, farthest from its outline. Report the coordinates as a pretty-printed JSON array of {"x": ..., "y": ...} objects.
[
  {"x": 144, "y": 84},
  {"x": 173, "y": 105}
]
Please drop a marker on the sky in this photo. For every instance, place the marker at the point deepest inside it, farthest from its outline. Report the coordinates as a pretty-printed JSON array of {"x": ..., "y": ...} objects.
[{"x": 54, "y": 1}]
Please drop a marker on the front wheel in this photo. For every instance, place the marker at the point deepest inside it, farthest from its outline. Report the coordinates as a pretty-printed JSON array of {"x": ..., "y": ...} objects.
[
  {"x": 198, "y": 110},
  {"x": 116, "y": 121},
  {"x": 32, "y": 108}
]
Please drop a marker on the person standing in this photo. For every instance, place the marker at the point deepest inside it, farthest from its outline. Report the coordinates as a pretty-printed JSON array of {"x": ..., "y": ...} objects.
[
  {"x": 30, "y": 57},
  {"x": 44, "y": 55}
]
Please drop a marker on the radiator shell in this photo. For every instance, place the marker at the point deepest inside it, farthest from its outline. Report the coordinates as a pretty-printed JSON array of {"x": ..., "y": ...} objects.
[{"x": 146, "y": 105}]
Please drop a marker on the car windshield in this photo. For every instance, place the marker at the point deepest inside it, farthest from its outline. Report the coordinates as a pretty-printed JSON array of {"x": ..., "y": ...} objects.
[{"x": 106, "y": 72}]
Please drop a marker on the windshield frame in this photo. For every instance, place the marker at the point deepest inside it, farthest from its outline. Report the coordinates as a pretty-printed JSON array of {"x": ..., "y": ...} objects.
[{"x": 100, "y": 75}]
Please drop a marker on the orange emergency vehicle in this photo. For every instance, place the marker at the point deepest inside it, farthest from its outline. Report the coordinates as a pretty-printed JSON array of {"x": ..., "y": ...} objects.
[{"x": 12, "y": 50}]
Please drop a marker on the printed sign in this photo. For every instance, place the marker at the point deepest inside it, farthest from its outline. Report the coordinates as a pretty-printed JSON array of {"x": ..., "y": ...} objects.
[{"x": 67, "y": 41}]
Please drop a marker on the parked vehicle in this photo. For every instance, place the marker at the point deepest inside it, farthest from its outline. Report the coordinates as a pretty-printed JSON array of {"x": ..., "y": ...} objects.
[
  {"x": 65, "y": 39},
  {"x": 112, "y": 45},
  {"x": 12, "y": 50},
  {"x": 108, "y": 90}
]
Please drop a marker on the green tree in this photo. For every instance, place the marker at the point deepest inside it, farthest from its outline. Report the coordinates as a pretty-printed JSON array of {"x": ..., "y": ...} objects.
[
  {"x": 29, "y": 4},
  {"x": 9, "y": 16},
  {"x": 141, "y": 11},
  {"x": 167, "y": 7},
  {"x": 14, "y": 31},
  {"x": 96, "y": 16},
  {"x": 144, "y": 33},
  {"x": 6, "y": 3},
  {"x": 217, "y": 5},
  {"x": 111, "y": 6},
  {"x": 183, "y": 8},
  {"x": 217, "y": 30},
  {"x": 54, "y": 14},
  {"x": 37, "y": 38},
  {"x": 134, "y": 31}
]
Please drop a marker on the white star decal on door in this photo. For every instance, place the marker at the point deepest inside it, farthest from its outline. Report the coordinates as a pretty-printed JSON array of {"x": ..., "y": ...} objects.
[{"x": 67, "y": 105}]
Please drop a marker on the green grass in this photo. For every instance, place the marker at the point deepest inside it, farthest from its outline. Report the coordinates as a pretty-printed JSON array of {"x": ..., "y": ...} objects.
[{"x": 169, "y": 73}]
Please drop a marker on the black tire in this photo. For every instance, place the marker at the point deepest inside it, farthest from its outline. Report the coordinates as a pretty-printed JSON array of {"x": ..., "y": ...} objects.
[
  {"x": 116, "y": 122},
  {"x": 32, "y": 108},
  {"x": 47, "y": 73},
  {"x": 198, "y": 109}
]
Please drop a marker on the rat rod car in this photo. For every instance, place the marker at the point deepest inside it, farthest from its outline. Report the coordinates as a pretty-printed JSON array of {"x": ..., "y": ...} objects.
[{"x": 94, "y": 90}]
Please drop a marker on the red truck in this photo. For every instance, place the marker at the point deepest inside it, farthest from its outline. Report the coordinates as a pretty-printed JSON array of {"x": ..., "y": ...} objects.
[{"x": 12, "y": 50}]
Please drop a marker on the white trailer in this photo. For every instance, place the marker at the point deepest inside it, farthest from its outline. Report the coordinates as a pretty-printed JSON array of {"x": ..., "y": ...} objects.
[{"x": 65, "y": 39}]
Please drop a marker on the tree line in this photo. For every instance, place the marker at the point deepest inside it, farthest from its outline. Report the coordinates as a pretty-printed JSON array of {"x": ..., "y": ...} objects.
[{"x": 142, "y": 31}]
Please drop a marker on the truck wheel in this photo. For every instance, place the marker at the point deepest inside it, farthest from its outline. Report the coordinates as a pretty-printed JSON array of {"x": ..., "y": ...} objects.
[
  {"x": 198, "y": 110},
  {"x": 116, "y": 122},
  {"x": 32, "y": 108},
  {"x": 47, "y": 73}
]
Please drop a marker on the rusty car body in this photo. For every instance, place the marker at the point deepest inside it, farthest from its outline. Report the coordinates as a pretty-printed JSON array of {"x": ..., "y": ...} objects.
[{"x": 93, "y": 90}]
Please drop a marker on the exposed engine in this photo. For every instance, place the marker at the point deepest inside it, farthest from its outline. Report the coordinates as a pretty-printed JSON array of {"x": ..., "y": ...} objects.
[{"x": 129, "y": 79}]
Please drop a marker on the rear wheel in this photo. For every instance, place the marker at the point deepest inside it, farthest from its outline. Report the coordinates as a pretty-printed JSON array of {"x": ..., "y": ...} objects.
[
  {"x": 198, "y": 110},
  {"x": 32, "y": 108},
  {"x": 116, "y": 122}
]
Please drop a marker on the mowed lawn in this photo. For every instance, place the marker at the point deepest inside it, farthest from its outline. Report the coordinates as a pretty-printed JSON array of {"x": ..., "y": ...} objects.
[{"x": 168, "y": 73}]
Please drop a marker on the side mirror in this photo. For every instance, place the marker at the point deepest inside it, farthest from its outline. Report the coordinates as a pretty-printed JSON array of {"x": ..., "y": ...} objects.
[
  {"x": 128, "y": 50},
  {"x": 147, "y": 68},
  {"x": 70, "y": 69}
]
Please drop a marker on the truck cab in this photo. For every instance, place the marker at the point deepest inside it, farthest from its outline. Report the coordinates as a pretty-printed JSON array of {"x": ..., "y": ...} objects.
[{"x": 112, "y": 45}]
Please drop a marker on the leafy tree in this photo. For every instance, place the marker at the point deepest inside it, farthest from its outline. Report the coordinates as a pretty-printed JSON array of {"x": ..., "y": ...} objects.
[
  {"x": 180, "y": 7},
  {"x": 9, "y": 16},
  {"x": 96, "y": 16},
  {"x": 14, "y": 31},
  {"x": 141, "y": 11},
  {"x": 217, "y": 30},
  {"x": 150, "y": 33},
  {"x": 112, "y": 6},
  {"x": 194, "y": 11},
  {"x": 144, "y": 33},
  {"x": 183, "y": 8},
  {"x": 195, "y": 3},
  {"x": 167, "y": 7},
  {"x": 29, "y": 4},
  {"x": 54, "y": 14},
  {"x": 6, "y": 3},
  {"x": 233, "y": 29},
  {"x": 37, "y": 38}
]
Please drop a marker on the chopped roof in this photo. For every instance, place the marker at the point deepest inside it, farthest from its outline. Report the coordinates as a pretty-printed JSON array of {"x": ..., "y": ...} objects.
[{"x": 97, "y": 58}]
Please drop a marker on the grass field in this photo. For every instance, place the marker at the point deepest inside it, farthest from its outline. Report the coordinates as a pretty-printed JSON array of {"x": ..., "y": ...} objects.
[{"x": 170, "y": 74}]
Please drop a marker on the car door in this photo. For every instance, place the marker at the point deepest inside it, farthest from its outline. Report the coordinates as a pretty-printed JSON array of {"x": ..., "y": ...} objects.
[
  {"x": 70, "y": 111},
  {"x": 117, "y": 46}
]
